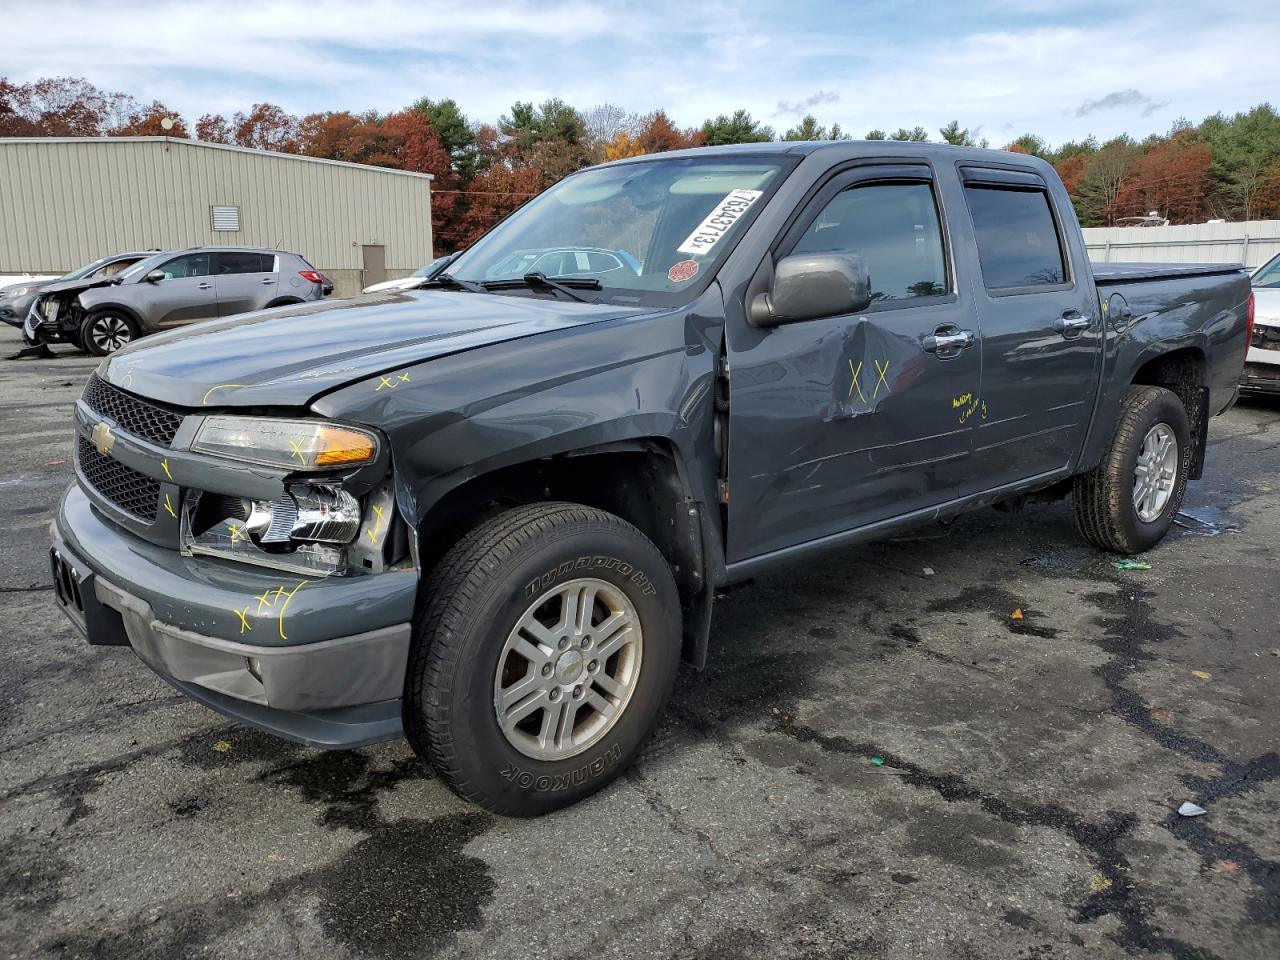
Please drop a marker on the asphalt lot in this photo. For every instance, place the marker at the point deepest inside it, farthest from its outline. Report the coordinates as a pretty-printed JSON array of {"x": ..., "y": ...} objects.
[{"x": 1024, "y": 805}]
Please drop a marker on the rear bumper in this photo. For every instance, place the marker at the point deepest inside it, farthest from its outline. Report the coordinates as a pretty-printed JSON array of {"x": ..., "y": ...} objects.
[{"x": 339, "y": 688}]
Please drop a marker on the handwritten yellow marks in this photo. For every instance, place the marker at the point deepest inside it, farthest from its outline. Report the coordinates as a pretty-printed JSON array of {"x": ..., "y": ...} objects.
[
  {"x": 391, "y": 384},
  {"x": 237, "y": 533},
  {"x": 297, "y": 451},
  {"x": 168, "y": 506},
  {"x": 854, "y": 385},
  {"x": 968, "y": 405},
  {"x": 881, "y": 379},
  {"x": 165, "y": 464},
  {"x": 222, "y": 386},
  {"x": 285, "y": 606},
  {"x": 263, "y": 601},
  {"x": 377, "y": 527},
  {"x": 244, "y": 620}
]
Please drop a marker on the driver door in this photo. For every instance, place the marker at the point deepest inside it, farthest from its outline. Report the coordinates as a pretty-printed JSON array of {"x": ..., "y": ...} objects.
[
  {"x": 185, "y": 294},
  {"x": 846, "y": 421}
]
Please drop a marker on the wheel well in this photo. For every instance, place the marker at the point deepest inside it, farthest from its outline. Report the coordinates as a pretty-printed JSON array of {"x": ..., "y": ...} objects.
[
  {"x": 1182, "y": 372},
  {"x": 282, "y": 302},
  {"x": 639, "y": 481}
]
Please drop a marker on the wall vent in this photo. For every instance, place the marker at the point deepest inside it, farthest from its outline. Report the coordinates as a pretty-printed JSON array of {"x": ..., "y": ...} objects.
[{"x": 226, "y": 218}]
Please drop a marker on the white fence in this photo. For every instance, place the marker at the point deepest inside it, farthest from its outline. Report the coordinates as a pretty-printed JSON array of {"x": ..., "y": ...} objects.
[{"x": 1252, "y": 243}]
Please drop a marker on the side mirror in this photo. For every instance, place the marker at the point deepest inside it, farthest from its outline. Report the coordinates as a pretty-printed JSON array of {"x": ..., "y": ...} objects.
[
  {"x": 811, "y": 286},
  {"x": 155, "y": 276}
]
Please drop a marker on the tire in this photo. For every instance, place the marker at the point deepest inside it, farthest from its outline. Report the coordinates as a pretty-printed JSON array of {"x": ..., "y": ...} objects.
[
  {"x": 104, "y": 332},
  {"x": 497, "y": 577},
  {"x": 1106, "y": 511}
]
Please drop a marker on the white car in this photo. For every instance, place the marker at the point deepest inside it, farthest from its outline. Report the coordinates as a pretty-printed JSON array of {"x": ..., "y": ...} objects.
[
  {"x": 404, "y": 283},
  {"x": 24, "y": 278},
  {"x": 1262, "y": 361}
]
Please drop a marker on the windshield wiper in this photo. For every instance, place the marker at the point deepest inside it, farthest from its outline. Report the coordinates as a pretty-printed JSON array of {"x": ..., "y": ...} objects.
[
  {"x": 538, "y": 280},
  {"x": 453, "y": 283}
]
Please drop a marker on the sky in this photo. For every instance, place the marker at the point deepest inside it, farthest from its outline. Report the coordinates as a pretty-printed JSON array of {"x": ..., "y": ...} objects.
[{"x": 1062, "y": 70}]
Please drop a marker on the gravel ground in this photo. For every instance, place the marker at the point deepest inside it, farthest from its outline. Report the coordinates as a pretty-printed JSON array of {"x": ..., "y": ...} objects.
[{"x": 879, "y": 762}]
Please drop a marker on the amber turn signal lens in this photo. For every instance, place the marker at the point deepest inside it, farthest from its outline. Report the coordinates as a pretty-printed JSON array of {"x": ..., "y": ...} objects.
[{"x": 340, "y": 447}]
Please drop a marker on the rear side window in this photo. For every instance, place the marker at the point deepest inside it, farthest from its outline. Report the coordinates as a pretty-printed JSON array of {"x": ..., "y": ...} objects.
[
  {"x": 1018, "y": 243},
  {"x": 894, "y": 227},
  {"x": 245, "y": 263}
]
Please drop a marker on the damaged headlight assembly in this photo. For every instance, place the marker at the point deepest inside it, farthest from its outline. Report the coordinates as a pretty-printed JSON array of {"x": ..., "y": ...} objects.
[{"x": 315, "y": 526}]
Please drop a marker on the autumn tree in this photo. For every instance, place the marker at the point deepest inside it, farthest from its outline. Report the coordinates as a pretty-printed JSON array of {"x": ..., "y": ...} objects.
[
  {"x": 148, "y": 121},
  {"x": 266, "y": 127},
  {"x": 1030, "y": 144},
  {"x": 1104, "y": 177},
  {"x": 655, "y": 133},
  {"x": 1071, "y": 171},
  {"x": 214, "y": 128},
  {"x": 60, "y": 107},
  {"x": 739, "y": 128},
  {"x": 1172, "y": 178},
  {"x": 622, "y": 145}
]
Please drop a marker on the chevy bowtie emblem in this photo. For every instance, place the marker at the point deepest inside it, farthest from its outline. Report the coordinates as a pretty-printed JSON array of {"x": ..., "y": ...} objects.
[{"x": 102, "y": 439}]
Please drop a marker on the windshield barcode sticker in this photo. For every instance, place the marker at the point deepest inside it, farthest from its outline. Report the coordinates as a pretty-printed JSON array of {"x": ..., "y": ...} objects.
[{"x": 718, "y": 222}]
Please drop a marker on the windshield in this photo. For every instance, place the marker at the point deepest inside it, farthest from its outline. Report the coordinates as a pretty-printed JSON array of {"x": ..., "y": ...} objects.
[
  {"x": 1268, "y": 274},
  {"x": 425, "y": 271},
  {"x": 648, "y": 232},
  {"x": 84, "y": 271}
]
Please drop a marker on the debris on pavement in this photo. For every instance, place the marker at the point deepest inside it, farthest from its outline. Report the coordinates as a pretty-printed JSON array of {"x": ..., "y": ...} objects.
[
  {"x": 878, "y": 761},
  {"x": 1202, "y": 674},
  {"x": 1128, "y": 564},
  {"x": 1189, "y": 809},
  {"x": 222, "y": 746},
  {"x": 928, "y": 571},
  {"x": 1016, "y": 615}
]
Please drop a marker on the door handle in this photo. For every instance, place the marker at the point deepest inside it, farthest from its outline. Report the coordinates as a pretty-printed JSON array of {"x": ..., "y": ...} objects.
[
  {"x": 1072, "y": 323},
  {"x": 203, "y": 286},
  {"x": 947, "y": 341},
  {"x": 268, "y": 280}
]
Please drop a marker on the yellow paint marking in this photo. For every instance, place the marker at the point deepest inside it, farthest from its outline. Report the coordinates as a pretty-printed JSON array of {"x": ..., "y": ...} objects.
[
  {"x": 285, "y": 606},
  {"x": 244, "y": 622},
  {"x": 384, "y": 382},
  {"x": 237, "y": 533},
  {"x": 857, "y": 372},
  {"x": 165, "y": 464},
  {"x": 404, "y": 377},
  {"x": 168, "y": 505},
  {"x": 263, "y": 601},
  {"x": 221, "y": 386},
  {"x": 881, "y": 378},
  {"x": 377, "y": 527},
  {"x": 279, "y": 594},
  {"x": 297, "y": 451}
]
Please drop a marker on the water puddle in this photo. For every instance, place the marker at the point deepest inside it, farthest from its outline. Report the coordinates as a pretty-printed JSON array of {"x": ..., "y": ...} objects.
[{"x": 1204, "y": 522}]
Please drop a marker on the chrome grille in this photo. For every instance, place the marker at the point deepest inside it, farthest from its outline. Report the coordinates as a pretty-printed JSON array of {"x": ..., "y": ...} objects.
[
  {"x": 142, "y": 418},
  {"x": 128, "y": 489}
]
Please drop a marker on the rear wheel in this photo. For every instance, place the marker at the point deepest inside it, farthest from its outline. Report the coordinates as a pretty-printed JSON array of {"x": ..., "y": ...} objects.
[
  {"x": 1127, "y": 503},
  {"x": 546, "y": 646},
  {"x": 106, "y": 331}
]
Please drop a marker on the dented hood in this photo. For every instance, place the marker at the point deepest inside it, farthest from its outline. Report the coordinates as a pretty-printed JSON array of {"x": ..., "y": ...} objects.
[{"x": 289, "y": 356}]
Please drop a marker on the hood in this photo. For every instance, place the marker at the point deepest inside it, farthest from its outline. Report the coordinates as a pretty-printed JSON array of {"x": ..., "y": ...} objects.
[
  {"x": 78, "y": 286},
  {"x": 288, "y": 356}
]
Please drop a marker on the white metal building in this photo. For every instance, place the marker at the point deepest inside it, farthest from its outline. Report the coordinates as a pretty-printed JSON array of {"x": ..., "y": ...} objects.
[
  {"x": 67, "y": 201},
  {"x": 1252, "y": 243}
]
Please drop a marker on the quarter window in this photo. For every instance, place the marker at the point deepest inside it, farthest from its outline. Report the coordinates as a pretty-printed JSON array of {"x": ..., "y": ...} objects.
[
  {"x": 1018, "y": 244},
  {"x": 894, "y": 227}
]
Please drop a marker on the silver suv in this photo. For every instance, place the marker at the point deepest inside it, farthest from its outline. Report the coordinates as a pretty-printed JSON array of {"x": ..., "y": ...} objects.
[{"x": 167, "y": 290}]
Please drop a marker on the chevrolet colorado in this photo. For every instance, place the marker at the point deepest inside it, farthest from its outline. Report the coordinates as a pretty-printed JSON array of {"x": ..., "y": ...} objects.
[{"x": 491, "y": 513}]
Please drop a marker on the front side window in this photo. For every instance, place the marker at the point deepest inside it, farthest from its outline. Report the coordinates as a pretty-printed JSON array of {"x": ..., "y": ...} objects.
[
  {"x": 1018, "y": 243},
  {"x": 894, "y": 227},
  {"x": 192, "y": 265},
  {"x": 648, "y": 231}
]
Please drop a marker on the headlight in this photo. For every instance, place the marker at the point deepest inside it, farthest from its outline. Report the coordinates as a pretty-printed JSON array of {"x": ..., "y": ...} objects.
[{"x": 287, "y": 444}]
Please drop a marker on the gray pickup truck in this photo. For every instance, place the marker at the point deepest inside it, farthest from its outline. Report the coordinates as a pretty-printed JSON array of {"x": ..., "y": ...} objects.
[{"x": 491, "y": 514}]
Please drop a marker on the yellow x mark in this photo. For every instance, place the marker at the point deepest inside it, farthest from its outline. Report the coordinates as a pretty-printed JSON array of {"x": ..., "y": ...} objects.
[
  {"x": 244, "y": 622},
  {"x": 881, "y": 380},
  {"x": 857, "y": 372}
]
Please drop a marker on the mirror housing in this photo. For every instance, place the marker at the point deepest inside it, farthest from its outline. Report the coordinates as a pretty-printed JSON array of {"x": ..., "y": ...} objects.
[
  {"x": 809, "y": 286},
  {"x": 155, "y": 276}
]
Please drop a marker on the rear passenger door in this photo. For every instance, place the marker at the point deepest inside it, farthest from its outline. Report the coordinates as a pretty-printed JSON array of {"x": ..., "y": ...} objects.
[
  {"x": 245, "y": 281},
  {"x": 1041, "y": 339},
  {"x": 185, "y": 294},
  {"x": 846, "y": 421}
]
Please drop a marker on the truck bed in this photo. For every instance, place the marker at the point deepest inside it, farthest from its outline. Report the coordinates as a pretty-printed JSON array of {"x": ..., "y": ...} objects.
[{"x": 1136, "y": 272}]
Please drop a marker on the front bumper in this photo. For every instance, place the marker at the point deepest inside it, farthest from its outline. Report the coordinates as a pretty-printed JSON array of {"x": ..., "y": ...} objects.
[
  {"x": 1261, "y": 372},
  {"x": 321, "y": 662}
]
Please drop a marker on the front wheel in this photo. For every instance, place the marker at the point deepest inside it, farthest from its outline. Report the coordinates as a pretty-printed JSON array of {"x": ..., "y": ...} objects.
[
  {"x": 1126, "y": 504},
  {"x": 546, "y": 646},
  {"x": 106, "y": 331}
]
